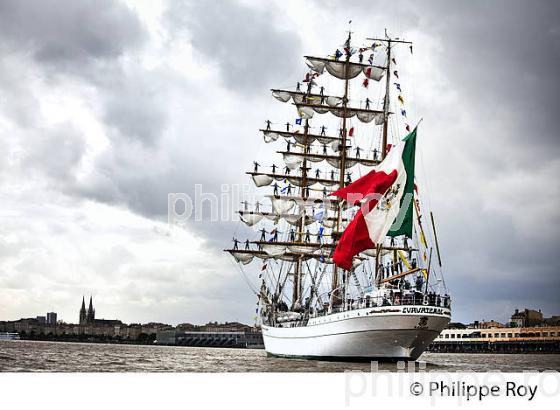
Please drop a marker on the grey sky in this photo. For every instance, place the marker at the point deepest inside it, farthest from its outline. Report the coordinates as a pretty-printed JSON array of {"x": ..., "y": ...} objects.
[{"x": 106, "y": 107}]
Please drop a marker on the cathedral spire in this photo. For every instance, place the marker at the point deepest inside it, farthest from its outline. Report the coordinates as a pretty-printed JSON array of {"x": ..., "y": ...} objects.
[
  {"x": 83, "y": 313},
  {"x": 91, "y": 311}
]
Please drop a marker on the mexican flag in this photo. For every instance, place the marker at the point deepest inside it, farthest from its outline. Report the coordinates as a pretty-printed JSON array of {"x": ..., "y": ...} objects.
[{"x": 386, "y": 195}]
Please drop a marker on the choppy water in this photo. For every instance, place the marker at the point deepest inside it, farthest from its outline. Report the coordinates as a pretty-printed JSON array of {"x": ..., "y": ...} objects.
[{"x": 27, "y": 356}]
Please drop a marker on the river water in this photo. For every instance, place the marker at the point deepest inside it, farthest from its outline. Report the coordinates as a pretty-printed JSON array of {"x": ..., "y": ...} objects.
[{"x": 31, "y": 356}]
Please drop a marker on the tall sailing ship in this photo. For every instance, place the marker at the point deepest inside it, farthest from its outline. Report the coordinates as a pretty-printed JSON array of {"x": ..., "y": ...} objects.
[{"x": 347, "y": 265}]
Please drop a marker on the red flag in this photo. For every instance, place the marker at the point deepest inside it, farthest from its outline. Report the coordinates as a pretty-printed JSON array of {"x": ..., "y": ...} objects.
[
  {"x": 371, "y": 182},
  {"x": 263, "y": 267},
  {"x": 407, "y": 127},
  {"x": 355, "y": 237},
  {"x": 365, "y": 83},
  {"x": 351, "y": 132},
  {"x": 389, "y": 146}
]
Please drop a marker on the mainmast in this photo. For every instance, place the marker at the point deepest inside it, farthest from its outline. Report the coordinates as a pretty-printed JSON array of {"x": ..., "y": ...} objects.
[
  {"x": 386, "y": 103},
  {"x": 334, "y": 288},
  {"x": 389, "y": 42},
  {"x": 296, "y": 296}
]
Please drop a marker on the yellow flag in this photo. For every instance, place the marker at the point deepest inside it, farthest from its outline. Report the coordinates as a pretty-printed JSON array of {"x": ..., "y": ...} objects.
[
  {"x": 403, "y": 257},
  {"x": 425, "y": 272},
  {"x": 423, "y": 238}
]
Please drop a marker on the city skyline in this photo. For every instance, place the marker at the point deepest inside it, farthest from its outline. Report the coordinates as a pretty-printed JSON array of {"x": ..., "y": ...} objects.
[
  {"x": 88, "y": 316},
  {"x": 100, "y": 124}
]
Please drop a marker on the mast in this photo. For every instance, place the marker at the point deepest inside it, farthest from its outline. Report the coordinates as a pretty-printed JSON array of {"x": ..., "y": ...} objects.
[
  {"x": 334, "y": 287},
  {"x": 386, "y": 103},
  {"x": 389, "y": 42},
  {"x": 378, "y": 267},
  {"x": 296, "y": 295}
]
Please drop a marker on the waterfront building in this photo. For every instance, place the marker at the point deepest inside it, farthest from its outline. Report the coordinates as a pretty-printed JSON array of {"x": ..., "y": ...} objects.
[
  {"x": 526, "y": 318},
  {"x": 41, "y": 320},
  {"x": 186, "y": 327},
  {"x": 499, "y": 339},
  {"x": 51, "y": 318},
  {"x": 132, "y": 331},
  {"x": 500, "y": 334},
  {"x": 552, "y": 321},
  {"x": 490, "y": 324},
  {"x": 224, "y": 327},
  {"x": 240, "y": 339}
]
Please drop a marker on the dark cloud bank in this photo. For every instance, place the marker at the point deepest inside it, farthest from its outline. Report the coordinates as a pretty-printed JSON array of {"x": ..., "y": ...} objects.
[{"x": 501, "y": 58}]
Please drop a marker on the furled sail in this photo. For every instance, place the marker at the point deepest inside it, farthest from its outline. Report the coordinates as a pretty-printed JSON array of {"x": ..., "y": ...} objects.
[
  {"x": 334, "y": 101},
  {"x": 299, "y": 97},
  {"x": 272, "y": 249},
  {"x": 284, "y": 203},
  {"x": 242, "y": 257},
  {"x": 282, "y": 95},
  {"x": 345, "y": 70},
  {"x": 334, "y": 161},
  {"x": 262, "y": 180},
  {"x": 273, "y": 135},
  {"x": 338, "y": 69},
  {"x": 270, "y": 136},
  {"x": 292, "y": 161},
  {"x": 251, "y": 218},
  {"x": 307, "y": 111}
]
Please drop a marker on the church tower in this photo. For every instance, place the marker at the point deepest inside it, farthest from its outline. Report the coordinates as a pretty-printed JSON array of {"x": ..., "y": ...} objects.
[
  {"x": 83, "y": 314},
  {"x": 91, "y": 311}
]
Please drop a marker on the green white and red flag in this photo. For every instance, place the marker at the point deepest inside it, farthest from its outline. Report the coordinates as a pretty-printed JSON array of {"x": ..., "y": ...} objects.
[{"x": 386, "y": 195}]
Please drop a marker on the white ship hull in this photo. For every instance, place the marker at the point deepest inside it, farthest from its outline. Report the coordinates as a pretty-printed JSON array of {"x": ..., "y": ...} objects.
[{"x": 382, "y": 333}]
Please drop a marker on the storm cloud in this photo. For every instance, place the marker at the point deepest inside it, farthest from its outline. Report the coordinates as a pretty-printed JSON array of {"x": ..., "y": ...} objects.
[{"x": 107, "y": 107}]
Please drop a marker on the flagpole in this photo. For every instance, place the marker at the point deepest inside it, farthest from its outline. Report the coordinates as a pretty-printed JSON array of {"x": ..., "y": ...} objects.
[
  {"x": 435, "y": 237},
  {"x": 429, "y": 267}
]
